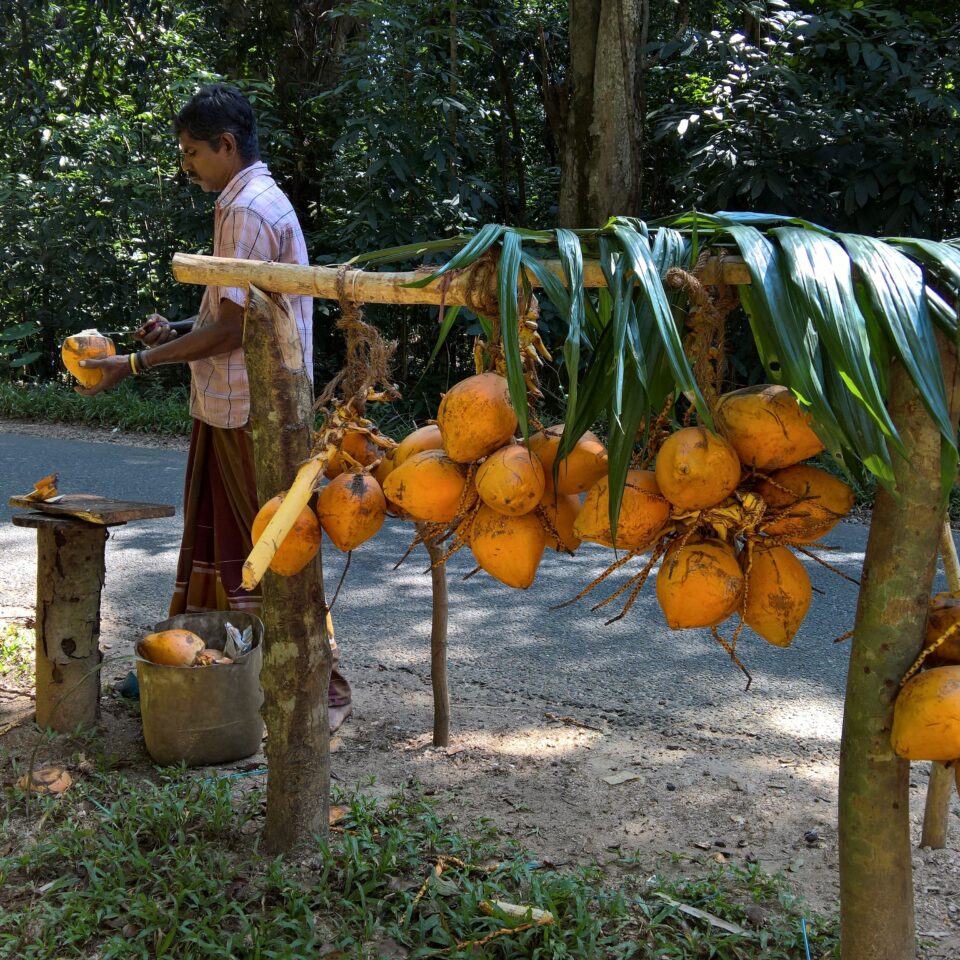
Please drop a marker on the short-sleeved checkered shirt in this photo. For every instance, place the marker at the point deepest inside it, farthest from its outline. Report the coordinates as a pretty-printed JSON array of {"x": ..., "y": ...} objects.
[{"x": 253, "y": 220}]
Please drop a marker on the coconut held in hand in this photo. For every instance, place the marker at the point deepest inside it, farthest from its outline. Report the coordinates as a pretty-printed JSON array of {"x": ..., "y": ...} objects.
[{"x": 86, "y": 345}]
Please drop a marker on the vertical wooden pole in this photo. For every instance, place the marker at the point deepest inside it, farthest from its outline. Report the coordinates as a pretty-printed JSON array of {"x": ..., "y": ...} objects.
[
  {"x": 936, "y": 812},
  {"x": 438, "y": 647},
  {"x": 70, "y": 577},
  {"x": 297, "y": 658},
  {"x": 876, "y": 882}
]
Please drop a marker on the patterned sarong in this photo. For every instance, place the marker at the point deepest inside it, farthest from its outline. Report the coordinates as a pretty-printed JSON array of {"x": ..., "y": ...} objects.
[{"x": 219, "y": 504}]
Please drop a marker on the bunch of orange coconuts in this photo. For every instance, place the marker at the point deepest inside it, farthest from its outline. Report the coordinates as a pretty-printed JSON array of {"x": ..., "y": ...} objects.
[
  {"x": 926, "y": 716},
  {"x": 508, "y": 501}
]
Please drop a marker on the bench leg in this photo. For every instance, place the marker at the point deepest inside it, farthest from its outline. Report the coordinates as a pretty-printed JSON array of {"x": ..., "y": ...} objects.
[{"x": 70, "y": 577}]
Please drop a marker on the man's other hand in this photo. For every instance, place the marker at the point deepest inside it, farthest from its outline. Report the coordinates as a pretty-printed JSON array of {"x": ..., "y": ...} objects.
[
  {"x": 114, "y": 370},
  {"x": 154, "y": 331}
]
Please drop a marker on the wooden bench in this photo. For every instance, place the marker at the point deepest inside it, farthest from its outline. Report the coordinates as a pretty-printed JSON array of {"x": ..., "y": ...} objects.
[{"x": 71, "y": 567}]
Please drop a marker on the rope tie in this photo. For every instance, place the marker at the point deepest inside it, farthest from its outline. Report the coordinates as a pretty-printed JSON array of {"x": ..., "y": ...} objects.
[{"x": 368, "y": 355}]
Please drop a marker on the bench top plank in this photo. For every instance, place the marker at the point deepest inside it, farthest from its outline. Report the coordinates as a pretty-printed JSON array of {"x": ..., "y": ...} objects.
[{"x": 93, "y": 509}]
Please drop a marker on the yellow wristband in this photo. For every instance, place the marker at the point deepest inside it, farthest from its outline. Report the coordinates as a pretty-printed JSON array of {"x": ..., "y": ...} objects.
[{"x": 132, "y": 358}]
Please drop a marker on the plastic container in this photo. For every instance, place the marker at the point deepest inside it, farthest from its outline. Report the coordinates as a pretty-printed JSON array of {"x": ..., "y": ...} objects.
[{"x": 203, "y": 715}]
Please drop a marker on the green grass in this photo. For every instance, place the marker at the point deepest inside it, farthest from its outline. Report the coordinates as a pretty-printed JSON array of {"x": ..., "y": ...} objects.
[
  {"x": 124, "y": 868},
  {"x": 152, "y": 408},
  {"x": 16, "y": 651}
]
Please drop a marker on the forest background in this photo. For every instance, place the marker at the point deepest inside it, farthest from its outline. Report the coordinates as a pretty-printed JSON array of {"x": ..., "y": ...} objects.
[{"x": 394, "y": 121}]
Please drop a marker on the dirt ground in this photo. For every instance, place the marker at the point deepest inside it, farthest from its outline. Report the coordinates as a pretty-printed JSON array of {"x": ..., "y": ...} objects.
[{"x": 578, "y": 783}]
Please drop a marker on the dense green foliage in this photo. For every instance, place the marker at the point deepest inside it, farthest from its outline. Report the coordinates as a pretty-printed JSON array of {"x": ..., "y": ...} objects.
[{"x": 397, "y": 120}]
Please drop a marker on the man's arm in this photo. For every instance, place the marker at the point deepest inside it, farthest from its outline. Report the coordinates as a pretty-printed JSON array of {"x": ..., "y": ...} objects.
[{"x": 222, "y": 336}]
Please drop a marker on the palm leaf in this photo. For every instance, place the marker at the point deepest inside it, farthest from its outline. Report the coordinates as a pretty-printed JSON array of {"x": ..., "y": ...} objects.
[
  {"x": 616, "y": 272},
  {"x": 892, "y": 288},
  {"x": 594, "y": 397},
  {"x": 650, "y": 286},
  {"x": 476, "y": 247},
  {"x": 943, "y": 259},
  {"x": 508, "y": 270},
  {"x": 449, "y": 318},
  {"x": 622, "y": 431},
  {"x": 410, "y": 251},
  {"x": 823, "y": 283},
  {"x": 571, "y": 256}
]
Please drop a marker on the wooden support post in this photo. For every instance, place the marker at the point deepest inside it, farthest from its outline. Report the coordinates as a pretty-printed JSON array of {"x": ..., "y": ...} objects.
[
  {"x": 438, "y": 647},
  {"x": 70, "y": 576},
  {"x": 297, "y": 658},
  {"x": 71, "y": 568},
  {"x": 877, "y": 919},
  {"x": 936, "y": 811}
]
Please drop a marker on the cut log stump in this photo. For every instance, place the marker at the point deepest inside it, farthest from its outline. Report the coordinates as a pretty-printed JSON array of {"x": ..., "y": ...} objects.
[{"x": 71, "y": 569}]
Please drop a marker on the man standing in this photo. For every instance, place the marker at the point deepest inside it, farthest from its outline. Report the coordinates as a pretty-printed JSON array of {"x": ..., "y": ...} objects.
[{"x": 253, "y": 220}]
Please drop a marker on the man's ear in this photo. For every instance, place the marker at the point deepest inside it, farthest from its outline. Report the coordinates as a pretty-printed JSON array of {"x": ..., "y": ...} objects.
[{"x": 229, "y": 142}]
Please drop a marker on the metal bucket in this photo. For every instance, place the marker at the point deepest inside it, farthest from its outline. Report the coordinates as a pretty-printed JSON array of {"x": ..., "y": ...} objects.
[{"x": 203, "y": 715}]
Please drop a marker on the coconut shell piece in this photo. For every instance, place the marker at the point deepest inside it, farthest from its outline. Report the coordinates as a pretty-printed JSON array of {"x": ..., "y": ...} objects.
[{"x": 48, "y": 781}]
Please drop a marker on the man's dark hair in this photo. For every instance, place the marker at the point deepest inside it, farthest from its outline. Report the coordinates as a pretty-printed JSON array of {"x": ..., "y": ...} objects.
[{"x": 216, "y": 109}]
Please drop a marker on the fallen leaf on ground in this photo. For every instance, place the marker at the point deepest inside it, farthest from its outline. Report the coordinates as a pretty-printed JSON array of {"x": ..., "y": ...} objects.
[
  {"x": 337, "y": 814},
  {"x": 517, "y": 912},
  {"x": 714, "y": 921}
]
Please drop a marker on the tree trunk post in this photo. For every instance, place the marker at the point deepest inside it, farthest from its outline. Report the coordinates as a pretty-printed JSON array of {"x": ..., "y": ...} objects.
[
  {"x": 936, "y": 812},
  {"x": 599, "y": 169},
  {"x": 297, "y": 658},
  {"x": 438, "y": 647},
  {"x": 70, "y": 577},
  {"x": 876, "y": 882}
]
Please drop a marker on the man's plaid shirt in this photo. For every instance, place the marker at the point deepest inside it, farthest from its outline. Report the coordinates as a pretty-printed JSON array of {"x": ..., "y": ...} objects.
[{"x": 253, "y": 220}]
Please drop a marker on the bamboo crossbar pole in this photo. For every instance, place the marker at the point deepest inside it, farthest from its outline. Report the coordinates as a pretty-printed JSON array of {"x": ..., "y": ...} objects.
[{"x": 388, "y": 286}]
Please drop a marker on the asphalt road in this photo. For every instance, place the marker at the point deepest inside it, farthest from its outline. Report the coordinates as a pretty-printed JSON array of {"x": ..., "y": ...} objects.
[{"x": 505, "y": 639}]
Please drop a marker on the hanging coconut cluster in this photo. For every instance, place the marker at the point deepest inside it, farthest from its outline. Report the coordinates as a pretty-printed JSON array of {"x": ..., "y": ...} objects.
[
  {"x": 469, "y": 479},
  {"x": 926, "y": 716},
  {"x": 725, "y": 512},
  {"x": 725, "y": 509}
]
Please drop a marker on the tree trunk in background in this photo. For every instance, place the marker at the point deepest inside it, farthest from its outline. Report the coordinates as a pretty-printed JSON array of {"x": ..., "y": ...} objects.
[
  {"x": 297, "y": 658},
  {"x": 876, "y": 884},
  {"x": 300, "y": 47},
  {"x": 600, "y": 170}
]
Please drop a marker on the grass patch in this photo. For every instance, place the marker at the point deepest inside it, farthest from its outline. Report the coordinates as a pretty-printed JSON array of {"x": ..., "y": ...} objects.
[
  {"x": 135, "y": 407},
  {"x": 125, "y": 868},
  {"x": 16, "y": 651}
]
